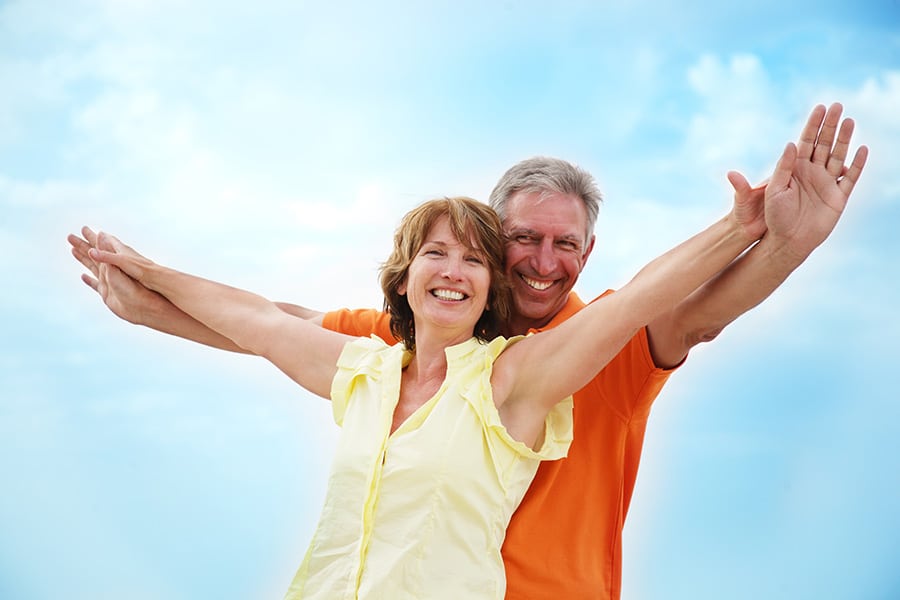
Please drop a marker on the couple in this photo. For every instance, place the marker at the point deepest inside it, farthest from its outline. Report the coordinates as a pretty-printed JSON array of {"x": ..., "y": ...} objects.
[{"x": 498, "y": 403}]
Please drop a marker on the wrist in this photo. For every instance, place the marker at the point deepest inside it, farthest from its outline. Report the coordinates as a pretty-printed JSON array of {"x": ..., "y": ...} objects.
[
  {"x": 736, "y": 227},
  {"x": 154, "y": 310},
  {"x": 780, "y": 255}
]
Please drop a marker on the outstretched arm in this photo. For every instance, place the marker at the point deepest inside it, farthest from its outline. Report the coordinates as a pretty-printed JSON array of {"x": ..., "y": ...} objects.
[
  {"x": 533, "y": 375},
  {"x": 132, "y": 302},
  {"x": 803, "y": 201},
  {"x": 304, "y": 351}
]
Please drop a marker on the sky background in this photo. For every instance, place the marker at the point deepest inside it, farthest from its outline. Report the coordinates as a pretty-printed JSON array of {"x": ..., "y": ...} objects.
[{"x": 275, "y": 145}]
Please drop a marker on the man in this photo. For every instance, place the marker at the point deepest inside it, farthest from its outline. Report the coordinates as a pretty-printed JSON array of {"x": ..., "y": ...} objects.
[{"x": 565, "y": 540}]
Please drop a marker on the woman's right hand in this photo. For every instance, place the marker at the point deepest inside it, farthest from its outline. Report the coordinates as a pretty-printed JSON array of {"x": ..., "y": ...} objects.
[{"x": 126, "y": 297}]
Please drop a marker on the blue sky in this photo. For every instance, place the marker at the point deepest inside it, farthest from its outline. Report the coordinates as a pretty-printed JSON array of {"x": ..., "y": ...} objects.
[{"x": 274, "y": 145}]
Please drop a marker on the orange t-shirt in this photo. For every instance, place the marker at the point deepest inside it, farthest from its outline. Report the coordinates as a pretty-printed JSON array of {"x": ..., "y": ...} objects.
[{"x": 565, "y": 539}]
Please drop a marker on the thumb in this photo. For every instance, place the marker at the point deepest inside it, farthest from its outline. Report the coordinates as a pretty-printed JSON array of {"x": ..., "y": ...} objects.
[{"x": 738, "y": 182}]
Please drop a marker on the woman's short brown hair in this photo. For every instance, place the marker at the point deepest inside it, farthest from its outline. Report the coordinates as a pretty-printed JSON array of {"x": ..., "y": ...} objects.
[{"x": 472, "y": 222}]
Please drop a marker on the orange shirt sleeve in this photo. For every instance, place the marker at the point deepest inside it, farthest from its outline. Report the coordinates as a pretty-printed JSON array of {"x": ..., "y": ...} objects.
[{"x": 361, "y": 322}]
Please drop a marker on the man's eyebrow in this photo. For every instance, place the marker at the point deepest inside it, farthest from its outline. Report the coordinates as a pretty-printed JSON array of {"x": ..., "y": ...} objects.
[
  {"x": 522, "y": 230},
  {"x": 569, "y": 237}
]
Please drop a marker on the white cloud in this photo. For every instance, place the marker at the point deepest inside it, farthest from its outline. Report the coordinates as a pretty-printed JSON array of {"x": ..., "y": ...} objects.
[
  {"x": 738, "y": 121},
  {"x": 275, "y": 145},
  {"x": 27, "y": 195},
  {"x": 873, "y": 106}
]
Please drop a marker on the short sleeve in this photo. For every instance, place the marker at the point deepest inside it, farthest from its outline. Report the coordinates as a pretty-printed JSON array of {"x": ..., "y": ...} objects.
[
  {"x": 558, "y": 424},
  {"x": 360, "y": 358},
  {"x": 360, "y": 322}
]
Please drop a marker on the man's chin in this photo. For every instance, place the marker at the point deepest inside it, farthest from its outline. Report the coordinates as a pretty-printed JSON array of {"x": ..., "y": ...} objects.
[{"x": 538, "y": 310}]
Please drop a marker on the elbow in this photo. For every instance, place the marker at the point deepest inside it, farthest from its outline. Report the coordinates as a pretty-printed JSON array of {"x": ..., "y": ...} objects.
[{"x": 700, "y": 336}]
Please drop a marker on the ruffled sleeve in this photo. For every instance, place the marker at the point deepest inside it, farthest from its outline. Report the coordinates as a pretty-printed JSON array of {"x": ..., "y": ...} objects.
[
  {"x": 362, "y": 357},
  {"x": 558, "y": 425}
]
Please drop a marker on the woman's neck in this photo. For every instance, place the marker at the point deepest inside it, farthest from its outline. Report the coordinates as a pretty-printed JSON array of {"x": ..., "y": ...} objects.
[{"x": 430, "y": 359}]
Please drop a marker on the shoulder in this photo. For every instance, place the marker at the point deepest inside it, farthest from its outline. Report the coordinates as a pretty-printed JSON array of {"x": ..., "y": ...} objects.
[
  {"x": 572, "y": 306},
  {"x": 370, "y": 351}
]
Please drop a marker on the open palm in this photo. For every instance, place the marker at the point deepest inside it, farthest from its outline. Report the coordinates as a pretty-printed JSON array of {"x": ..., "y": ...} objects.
[{"x": 811, "y": 185}]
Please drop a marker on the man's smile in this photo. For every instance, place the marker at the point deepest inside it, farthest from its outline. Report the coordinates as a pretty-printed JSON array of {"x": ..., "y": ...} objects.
[{"x": 536, "y": 284}]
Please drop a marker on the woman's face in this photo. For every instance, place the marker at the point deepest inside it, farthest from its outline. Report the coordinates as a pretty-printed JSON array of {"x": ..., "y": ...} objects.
[{"x": 447, "y": 284}]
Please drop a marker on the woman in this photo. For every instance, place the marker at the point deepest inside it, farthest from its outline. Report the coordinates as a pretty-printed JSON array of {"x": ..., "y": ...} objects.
[{"x": 440, "y": 435}]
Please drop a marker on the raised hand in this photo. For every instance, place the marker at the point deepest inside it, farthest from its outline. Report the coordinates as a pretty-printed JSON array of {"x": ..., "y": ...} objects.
[
  {"x": 134, "y": 302},
  {"x": 125, "y": 297},
  {"x": 749, "y": 205},
  {"x": 110, "y": 252},
  {"x": 811, "y": 184},
  {"x": 80, "y": 249}
]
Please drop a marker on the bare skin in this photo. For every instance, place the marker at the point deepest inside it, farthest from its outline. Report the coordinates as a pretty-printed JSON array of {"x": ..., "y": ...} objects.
[
  {"x": 792, "y": 214},
  {"x": 447, "y": 288}
]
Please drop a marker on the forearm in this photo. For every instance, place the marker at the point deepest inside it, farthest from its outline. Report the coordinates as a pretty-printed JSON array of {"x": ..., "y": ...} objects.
[
  {"x": 158, "y": 313},
  {"x": 578, "y": 348},
  {"x": 212, "y": 312},
  {"x": 744, "y": 284},
  {"x": 165, "y": 317},
  {"x": 673, "y": 276},
  {"x": 315, "y": 317}
]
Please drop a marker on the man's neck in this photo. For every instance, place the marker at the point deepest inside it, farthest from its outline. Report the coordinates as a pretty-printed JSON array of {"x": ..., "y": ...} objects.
[{"x": 519, "y": 325}]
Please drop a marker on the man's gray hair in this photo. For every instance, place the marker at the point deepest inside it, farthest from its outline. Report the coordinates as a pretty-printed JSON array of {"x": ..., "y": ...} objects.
[{"x": 546, "y": 174}]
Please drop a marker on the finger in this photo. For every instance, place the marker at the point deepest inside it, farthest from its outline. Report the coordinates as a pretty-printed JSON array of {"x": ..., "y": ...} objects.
[
  {"x": 826, "y": 134},
  {"x": 79, "y": 249},
  {"x": 835, "y": 164},
  {"x": 781, "y": 176},
  {"x": 74, "y": 240},
  {"x": 89, "y": 235},
  {"x": 810, "y": 132},
  {"x": 91, "y": 282},
  {"x": 738, "y": 182},
  {"x": 78, "y": 244},
  {"x": 85, "y": 260},
  {"x": 111, "y": 243},
  {"x": 116, "y": 244},
  {"x": 108, "y": 242},
  {"x": 105, "y": 258},
  {"x": 102, "y": 257},
  {"x": 848, "y": 182}
]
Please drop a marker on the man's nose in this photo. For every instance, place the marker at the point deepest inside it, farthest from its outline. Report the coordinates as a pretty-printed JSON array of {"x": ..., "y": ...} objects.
[{"x": 545, "y": 258}]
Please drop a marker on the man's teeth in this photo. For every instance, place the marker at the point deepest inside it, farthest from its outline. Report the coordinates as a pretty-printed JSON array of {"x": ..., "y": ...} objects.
[
  {"x": 538, "y": 285},
  {"x": 448, "y": 294}
]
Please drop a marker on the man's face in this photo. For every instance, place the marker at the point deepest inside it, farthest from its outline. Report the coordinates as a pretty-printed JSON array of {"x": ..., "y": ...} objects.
[{"x": 545, "y": 253}]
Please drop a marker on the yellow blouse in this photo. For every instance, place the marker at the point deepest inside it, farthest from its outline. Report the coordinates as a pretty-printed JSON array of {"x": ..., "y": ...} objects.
[{"x": 420, "y": 513}]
